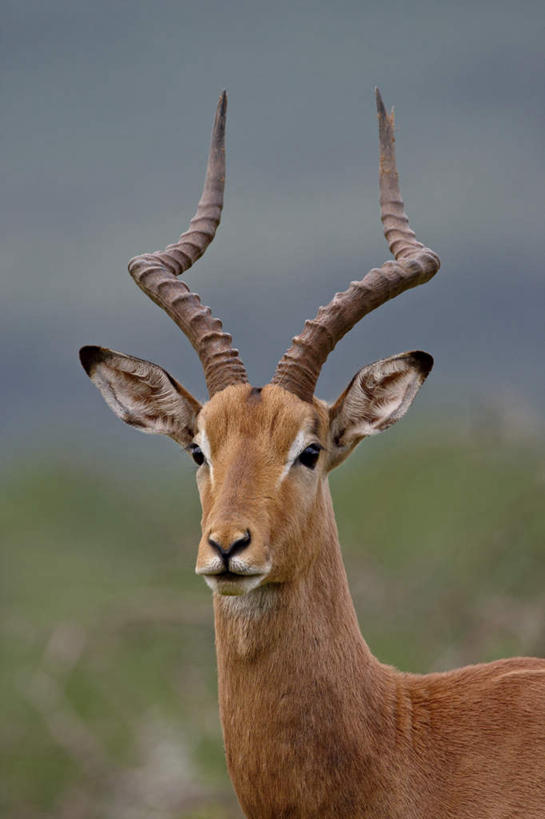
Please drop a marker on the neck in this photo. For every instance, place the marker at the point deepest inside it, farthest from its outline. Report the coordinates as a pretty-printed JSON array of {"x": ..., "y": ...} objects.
[{"x": 298, "y": 685}]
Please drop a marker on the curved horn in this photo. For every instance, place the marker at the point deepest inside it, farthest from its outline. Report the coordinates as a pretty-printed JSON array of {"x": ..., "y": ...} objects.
[
  {"x": 299, "y": 369},
  {"x": 155, "y": 274}
]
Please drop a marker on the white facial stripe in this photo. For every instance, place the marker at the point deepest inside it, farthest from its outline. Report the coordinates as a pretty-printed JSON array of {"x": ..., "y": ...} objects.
[
  {"x": 296, "y": 448},
  {"x": 204, "y": 444},
  {"x": 202, "y": 440}
]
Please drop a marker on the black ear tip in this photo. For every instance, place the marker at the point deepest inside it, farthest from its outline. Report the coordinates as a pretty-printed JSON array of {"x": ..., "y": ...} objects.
[
  {"x": 424, "y": 361},
  {"x": 89, "y": 356}
]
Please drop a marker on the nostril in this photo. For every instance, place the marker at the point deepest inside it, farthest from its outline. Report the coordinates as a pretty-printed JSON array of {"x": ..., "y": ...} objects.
[
  {"x": 240, "y": 543},
  {"x": 217, "y": 546},
  {"x": 236, "y": 546}
]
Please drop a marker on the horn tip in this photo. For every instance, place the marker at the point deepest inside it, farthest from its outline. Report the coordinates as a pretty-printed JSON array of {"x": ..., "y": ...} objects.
[{"x": 381, "y": 109}]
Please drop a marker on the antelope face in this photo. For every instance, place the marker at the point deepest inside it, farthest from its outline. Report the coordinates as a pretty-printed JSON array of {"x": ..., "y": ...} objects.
[{"x": 261, "y": 456}]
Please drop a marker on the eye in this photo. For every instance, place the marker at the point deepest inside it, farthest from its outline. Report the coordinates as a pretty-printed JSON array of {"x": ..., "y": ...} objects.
[
  {"x": 309, "y": 456},
  {"x": 196, "y": 453}
]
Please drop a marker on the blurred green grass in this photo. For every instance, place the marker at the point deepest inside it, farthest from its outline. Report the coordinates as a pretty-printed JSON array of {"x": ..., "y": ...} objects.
[{"x": 108, "y": 673}]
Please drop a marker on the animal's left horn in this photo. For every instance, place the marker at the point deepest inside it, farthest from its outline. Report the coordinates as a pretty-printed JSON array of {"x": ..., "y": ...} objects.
[
  {"x": 155, "y": 274},
  {"x": 414, "y": 264}
]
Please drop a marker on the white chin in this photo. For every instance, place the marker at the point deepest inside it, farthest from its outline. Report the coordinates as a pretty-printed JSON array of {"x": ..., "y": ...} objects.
[{"x": 233, "y": 587}]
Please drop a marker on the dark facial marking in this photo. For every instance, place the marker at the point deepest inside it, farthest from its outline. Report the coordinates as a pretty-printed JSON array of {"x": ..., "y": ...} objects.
[{"x": 255, "y": 394}]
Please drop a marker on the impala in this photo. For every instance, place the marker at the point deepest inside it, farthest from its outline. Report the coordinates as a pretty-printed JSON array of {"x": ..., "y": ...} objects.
[{"x": 314, "y": 725}]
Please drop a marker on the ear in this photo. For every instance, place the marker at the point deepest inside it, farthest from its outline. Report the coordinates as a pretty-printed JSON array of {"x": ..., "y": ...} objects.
[
  {"x": 142, "y": 394},
  {"x": 378, "y": 396}
]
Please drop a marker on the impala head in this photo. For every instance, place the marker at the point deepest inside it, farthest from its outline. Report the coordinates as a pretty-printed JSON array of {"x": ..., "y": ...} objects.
[{"x": 263, "y": 454}]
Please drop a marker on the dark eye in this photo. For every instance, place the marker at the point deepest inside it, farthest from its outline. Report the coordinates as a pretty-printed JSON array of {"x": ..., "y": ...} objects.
[
  {"x": 197, "y": 454},
  {"x": 309, "y": 456}
]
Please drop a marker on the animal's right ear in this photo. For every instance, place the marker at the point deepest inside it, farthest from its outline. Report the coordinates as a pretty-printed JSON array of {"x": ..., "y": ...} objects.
[{"x": 142, "y": 394}]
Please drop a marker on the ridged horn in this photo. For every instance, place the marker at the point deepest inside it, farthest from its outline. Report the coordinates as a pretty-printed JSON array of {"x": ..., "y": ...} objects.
[
  {"x": 155, "y": 274},
  {"x": 414, "y": 264}
]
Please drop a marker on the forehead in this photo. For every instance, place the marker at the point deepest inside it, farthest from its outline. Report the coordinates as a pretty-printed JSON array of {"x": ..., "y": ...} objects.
[{"x": 270, "y": 413}]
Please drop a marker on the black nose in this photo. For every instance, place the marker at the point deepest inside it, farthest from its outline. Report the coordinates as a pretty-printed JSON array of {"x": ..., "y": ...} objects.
[{"x": 235, "y": 547}]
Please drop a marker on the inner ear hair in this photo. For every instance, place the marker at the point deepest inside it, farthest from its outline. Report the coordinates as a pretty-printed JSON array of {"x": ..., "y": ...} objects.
[
  {"x": 142, "y": 394},
  {"x": 378, "y": 396}
]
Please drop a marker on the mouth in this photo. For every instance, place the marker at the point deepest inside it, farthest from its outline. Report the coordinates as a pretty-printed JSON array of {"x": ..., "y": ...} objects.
[{"x": 233, "y": 584}]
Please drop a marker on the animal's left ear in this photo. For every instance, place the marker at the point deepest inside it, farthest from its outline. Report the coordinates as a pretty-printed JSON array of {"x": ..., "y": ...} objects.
[{"x": 378, "y": 396}]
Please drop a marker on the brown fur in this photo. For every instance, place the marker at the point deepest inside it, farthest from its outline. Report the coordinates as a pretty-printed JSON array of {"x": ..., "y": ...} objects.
[{"x": 314, "y": 725}]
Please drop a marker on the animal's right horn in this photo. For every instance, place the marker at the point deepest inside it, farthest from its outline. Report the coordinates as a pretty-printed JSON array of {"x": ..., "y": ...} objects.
[{"x": 155, "y": 274}]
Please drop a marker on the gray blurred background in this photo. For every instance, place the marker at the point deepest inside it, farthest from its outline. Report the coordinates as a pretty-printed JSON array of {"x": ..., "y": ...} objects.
[{"x": 107, "y": 109}]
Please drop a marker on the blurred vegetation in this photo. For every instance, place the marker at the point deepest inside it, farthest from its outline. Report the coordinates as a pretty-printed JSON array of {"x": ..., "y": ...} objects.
[{"x": 108, "y": 673}]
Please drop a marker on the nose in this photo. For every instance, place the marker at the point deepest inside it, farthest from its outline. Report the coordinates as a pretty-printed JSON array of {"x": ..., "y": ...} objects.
[{"x": 236, "y": 546}]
